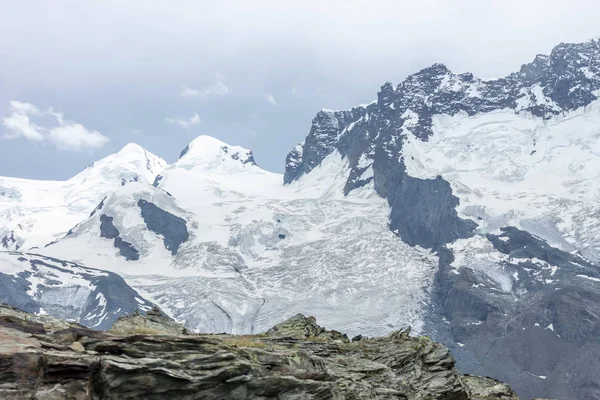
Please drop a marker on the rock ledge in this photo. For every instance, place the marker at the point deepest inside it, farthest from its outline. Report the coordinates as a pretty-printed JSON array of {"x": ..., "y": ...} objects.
[{"x": 296, "y": 359}]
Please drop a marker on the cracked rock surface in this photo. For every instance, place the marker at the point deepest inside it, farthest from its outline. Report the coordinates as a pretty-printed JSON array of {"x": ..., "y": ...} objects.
[{"x": 294, "y": 360}]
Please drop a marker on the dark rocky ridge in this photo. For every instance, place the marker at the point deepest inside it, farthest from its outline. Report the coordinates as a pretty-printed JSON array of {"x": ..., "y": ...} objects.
[
  {"x": 184, "y": 151},
  {"x": 109, "y": 231},
  {"x": 569, "y": 76},
  {"x": 172, "y": 228},
  {"x": 99, "y": 207},
  {"x": 542, "y": 335},
  {"x": 45, "y": 359}
]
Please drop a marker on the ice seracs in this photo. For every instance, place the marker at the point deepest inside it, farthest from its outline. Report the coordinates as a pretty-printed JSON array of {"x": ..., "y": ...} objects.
[{"x": 513, "y": 169}]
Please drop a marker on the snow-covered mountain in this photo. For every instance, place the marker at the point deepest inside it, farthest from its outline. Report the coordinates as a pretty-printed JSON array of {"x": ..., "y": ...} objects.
[
  {"x": 465, "y": 208},
  {"x": 223, "y": 245},
  {"x": 44, "y": 285},
  {"x": 34, "y": 213},
  {"x": 500, "y": 179}
]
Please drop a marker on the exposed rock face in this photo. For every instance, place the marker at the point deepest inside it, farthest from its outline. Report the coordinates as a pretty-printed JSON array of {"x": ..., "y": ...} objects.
[
  {"x": 45, "y": 362},
  {"x": 419, "y": 205},
  {"x": 496, "y": 292},
  {"x": 172, "y": 228},
  {"x": 541, "y": 328},
  {"x": 154, "y": 322},
  {"x": 109, "y": 231},
  {"x": 301, "y": 327},
  {"x": 9, "y": 241},
  {"x": 371, "y": 137}
]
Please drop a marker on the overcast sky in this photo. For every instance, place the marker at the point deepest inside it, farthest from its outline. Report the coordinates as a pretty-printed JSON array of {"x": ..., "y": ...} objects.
[{"x": 80, "y": 79}]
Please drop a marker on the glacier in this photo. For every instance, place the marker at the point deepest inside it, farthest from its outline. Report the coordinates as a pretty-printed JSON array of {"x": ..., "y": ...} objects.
[{"x": 259, "y": 251}]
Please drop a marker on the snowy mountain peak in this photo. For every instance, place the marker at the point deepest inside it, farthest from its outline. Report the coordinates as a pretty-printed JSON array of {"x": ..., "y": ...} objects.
[
  {"x": 478, "y": 171},
  {"x": 435, "y": 70},
  {"x": 34, "y": 213},
  {"x": 132, "y": 163},
  {"x": 210, "y": 153},
  {"x": 132, "y": 148},
  {"x": 550, "y": 85},
  {"x": 568, "y": 74}
]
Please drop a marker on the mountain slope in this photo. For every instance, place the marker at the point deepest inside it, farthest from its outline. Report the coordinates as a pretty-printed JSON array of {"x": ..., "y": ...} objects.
[
  {"x": 499, "y": 178},
  {"x": 549, "y": 91},
  {"x": 43, "y": 285},
  {"x": 34, "y": 213},
  {"x": 222, "y": 245}
]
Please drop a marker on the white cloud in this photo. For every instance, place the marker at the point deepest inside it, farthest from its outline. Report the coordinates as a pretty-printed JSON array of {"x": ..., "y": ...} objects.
[
  {"x": 76, "y": 137},
  {"x": 65, "y": 135},
  {"x": 218, "y": 88},
  {"x": 18, "y": 124},
  {"x": 271, "y": 99},
  {"x": 184, "y": 123},
  {"x": 21, "y": 107}
]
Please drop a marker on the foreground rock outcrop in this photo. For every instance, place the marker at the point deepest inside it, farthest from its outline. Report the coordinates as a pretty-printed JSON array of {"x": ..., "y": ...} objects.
[
  {"x": 153, "y": 322},
  {"x": 46, "y": 360}
]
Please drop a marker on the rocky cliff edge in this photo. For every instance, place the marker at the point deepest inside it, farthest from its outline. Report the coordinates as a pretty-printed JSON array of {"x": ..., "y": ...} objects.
[{"x": 152, "y": 357}]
